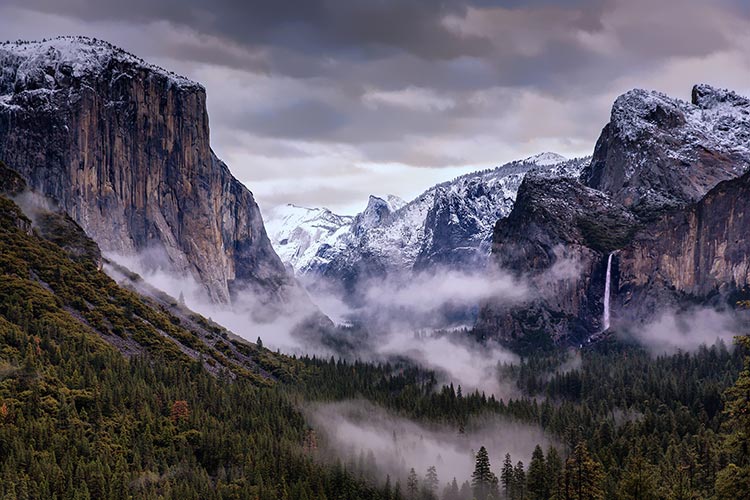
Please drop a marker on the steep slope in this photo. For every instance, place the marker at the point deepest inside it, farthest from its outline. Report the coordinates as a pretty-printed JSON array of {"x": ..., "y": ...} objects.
[
  {"x": 45, "y": 265},
  {"x": 652, "y": 198},
  {"x": 556, "y": 239},
  {"x": 123, "y": 147},
  {"x": 106, "y": 394},
  {"x": 448, "y": 225}
]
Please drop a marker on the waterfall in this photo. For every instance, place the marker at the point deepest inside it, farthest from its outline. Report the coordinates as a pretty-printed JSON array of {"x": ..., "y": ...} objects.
[{"x": 607, "y": 293}]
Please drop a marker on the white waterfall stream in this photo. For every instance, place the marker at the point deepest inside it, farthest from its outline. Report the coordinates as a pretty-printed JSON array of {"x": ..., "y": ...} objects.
[{"x": 607, "y": 293}]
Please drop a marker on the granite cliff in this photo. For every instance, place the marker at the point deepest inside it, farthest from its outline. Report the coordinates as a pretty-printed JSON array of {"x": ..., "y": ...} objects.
[
  {"x": 123, "y": 147},
  {"x": 665, "y": 194}
]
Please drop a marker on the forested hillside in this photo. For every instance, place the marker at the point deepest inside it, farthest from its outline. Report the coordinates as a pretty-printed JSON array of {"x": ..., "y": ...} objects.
[
  {"x": 636, "y": 426},
  {"x": 80, "y": 419}
]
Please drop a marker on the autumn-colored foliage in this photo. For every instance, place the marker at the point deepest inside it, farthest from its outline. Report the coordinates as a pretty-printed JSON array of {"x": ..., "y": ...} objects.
[{"x": 180, "y": 411}]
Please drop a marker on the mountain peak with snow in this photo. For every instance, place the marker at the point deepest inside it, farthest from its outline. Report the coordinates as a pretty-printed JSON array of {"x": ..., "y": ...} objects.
[
  {"x": 545, "y": 159},
  {"x": 54, "y": 63},
  {"x": 394, "y": 202},
  {"x": 698, "y": 144},
  {"x": 449, "y": 224}
]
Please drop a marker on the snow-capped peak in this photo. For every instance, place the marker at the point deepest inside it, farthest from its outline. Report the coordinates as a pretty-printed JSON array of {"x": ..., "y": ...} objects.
[
  {"x": 376, "y": 212},
  {"x": 297, "y": 233},
  {"x": 48, "y": 63},
  {"x": 392, "y": 234},
  {"x": 394, "y": 202},
  {"x": 545, "y": 159}
]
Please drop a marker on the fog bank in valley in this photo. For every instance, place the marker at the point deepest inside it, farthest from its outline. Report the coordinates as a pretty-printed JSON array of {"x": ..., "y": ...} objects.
[
  {"x": 353, "y": 429},
  {"x": 685, "y": 331}
]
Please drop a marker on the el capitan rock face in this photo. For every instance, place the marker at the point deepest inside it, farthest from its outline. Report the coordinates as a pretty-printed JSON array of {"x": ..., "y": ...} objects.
[
  {"x": 666, "y": 191},
  {"x": 123, "y": 147}
]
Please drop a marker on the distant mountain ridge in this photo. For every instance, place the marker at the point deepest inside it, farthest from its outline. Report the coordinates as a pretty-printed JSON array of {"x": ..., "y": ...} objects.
[{"x": 450, "y": 224}]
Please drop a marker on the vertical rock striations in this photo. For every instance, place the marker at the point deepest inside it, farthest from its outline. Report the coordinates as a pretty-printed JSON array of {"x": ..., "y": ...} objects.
[
  {"x": 556, "y": 238},
  {"x": 123, "y": 147},
  {"x": 700, "y": 254}
]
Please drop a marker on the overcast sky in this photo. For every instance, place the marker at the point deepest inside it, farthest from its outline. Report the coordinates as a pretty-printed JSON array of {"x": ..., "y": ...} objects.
[{"x": 322, "y": 102}]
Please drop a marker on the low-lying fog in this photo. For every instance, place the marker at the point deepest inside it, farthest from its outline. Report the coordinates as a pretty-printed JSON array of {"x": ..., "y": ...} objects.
[{"x": 355, "y": 428}]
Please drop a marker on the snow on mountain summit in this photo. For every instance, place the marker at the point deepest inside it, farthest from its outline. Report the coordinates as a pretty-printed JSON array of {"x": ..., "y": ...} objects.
[
  {"x": 449, "y": 224},
  {"x": 53, "y": 64},
  {"x": 658, "y": 151},
  {"x": 298, "y": 233},
  {"x": 545, "y": 159}
]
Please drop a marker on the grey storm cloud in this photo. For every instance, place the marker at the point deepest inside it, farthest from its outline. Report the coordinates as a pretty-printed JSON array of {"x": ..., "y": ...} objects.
[
  {"x": 364, "y": 28},
  {"x": 452, "y": 45},
  {"x": 302, "y": 39},
  {"x": 433, "y": 85}
]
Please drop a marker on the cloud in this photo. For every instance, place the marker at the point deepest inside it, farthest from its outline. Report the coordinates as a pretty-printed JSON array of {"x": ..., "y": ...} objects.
[
  {"x": 429, "y": 292},
  {"x": 686, "y": 331},
  {"x": 354, "y": 428},
  {"x": 455, "y": 84},
  {"x": 415, "y": 98},
  {"x": 455, "y": 358},
  {"x": 248, "y": 316},
  {"x": 367, "y": 29}
]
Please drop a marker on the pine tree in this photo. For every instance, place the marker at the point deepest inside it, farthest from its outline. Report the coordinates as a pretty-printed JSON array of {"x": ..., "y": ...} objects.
[
  {"x": 506, "y": 476},
  {"x": 465, "y": 491},
  {"x": 583, "y": 476},
  {"x": 412, "y": 484},
  {"x": 734, "y": 479},
  {"x": 553, "y": 474},
  {"x": 451, "y": 491},
  {"x": 638, "y": 481},
  {"x": 483, "y": 480},
  {"x": 519, "y": 482},
  {"x": 431, "y": 481},
  {"x": 537, "y": 484},
  {"x": 397, "y": 491}
]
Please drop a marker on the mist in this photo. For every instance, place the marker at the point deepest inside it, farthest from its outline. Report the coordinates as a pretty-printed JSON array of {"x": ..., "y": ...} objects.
[
  {"x": 277, "y": 331},
  {"x": 429, "y": 299},
  {"x": 351, "y": 429},
  {"x": 425, "y": 318},
  {"x": 685, "y": 331},
  {"x": 455, "y": 359},
  {"x": 429, "y": 292}
]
